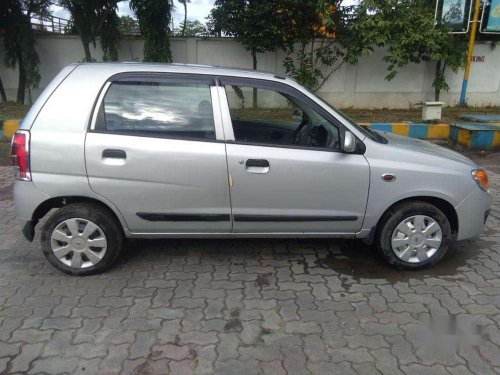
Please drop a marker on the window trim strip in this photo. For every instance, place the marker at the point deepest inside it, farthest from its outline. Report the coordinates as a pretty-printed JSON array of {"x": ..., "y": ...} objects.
[{"x": 98, "y": 104}]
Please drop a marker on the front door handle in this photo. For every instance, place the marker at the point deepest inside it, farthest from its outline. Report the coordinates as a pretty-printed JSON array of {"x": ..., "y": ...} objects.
[
  {"x": 114, "y": 154},
  {"x": 257, "y": 166}
]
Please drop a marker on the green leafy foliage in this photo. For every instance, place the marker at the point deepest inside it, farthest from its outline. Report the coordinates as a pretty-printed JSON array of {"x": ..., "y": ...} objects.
[
  {"x": 406, "y": 28},
  {"x": 321, "y": 38},
  {"x": 154, "y": 20},
  {"x": 19, "y": 41},
  {"x": 92, "y": 19},
  {"x": 191, "y": 29},
  {"x": 184, "y": 24},
  {"x": 257, "y": 24},
  {"x": 110, "y": 37},
  {"x": 128, "y": 26}
]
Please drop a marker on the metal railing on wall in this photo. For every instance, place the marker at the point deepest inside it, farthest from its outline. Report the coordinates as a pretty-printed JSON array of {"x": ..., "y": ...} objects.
[
  {"x": 58, "y": 25},
  {"x": 51, "y": 24}
]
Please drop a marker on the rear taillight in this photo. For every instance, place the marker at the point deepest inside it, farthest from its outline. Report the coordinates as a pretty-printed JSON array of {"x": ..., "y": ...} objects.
[{"x": 20, "y": 156}]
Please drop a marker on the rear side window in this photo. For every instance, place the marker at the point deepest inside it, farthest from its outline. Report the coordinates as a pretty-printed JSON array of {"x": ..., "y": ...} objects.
[{"x": 156, "y": 108}]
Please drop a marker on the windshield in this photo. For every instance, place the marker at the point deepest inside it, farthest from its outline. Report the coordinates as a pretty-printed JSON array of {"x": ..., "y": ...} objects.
[{"x": 370, "y": 133}]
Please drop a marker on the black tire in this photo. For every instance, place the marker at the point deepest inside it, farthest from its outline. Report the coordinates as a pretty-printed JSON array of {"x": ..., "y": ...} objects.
[
  {"x": 392, "y": 218},
  {"x": 99, "y": 215}
]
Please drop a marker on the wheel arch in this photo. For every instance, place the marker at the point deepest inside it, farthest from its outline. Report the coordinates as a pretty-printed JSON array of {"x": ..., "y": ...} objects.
[
  {"x": 58, "y": 202},
  {"x": 442, "y": 204}
]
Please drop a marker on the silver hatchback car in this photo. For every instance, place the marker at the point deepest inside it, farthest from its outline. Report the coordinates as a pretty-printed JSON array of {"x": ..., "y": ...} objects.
[{"x": 133, "y": 150}]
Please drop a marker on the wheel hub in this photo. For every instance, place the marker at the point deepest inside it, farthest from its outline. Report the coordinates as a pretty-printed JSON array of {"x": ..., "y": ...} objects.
[
  {"x": 416, "y": 238},
  {"x": 78, "y": 243}
]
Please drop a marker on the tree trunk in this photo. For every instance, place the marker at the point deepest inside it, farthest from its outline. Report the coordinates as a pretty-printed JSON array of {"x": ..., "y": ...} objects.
[
  {"x": 21, "y": 87},
  {"x": 185, "y": 18},
  {"x": 2, "y": 91},
  {"x": 86, "y": 48},
  {"x": 437, "y": 91},
  {"x": 254, "y": 58}
]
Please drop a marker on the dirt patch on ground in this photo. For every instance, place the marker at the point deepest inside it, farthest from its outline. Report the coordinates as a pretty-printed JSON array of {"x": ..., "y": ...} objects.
[
  {"x": 450, "y": 114},
  {"x": 4, "y": 154},
  {"x": 10, "y": 110},
  {"x": 488, "y": 160}
]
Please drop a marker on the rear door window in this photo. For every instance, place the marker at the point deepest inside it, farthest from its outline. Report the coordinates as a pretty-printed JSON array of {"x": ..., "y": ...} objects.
[{"x": 181, "y": 110}]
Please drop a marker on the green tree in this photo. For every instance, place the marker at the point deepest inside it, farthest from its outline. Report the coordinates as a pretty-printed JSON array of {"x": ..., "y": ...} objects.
[
  {"x": 191, "y": 29},
  {"x": 154, "y": 20},
  {"x": 2, "y": 91},
  {"x": 128, "y": 26},
  {"x": 93, "y": 19},
  {"x": 184, "y": 3},
  {"x": 320, "y": 39},
  {"x": 257, "y": 24},
  {"x": 406, "y": 28},
  {"x": 19, "y": 41}
]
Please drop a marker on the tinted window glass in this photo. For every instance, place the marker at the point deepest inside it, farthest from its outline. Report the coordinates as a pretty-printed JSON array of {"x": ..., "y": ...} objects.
[
  {"x": 266, "y": 116},
  {"x": 177, "y": 110},
  {"x": 370, "y": 133}
]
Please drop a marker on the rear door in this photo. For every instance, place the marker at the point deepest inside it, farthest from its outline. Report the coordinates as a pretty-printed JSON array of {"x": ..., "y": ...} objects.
[
  {"x": 287, "y": 171},
  {"x": 155, "y": 151}
]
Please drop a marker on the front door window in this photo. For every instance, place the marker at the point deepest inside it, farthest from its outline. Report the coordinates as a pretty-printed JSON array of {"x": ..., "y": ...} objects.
[{"x": 269, "y": 117}]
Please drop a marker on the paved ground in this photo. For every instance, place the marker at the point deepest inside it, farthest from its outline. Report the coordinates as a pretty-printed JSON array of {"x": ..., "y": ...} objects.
[{"x": 251, "y": 306}]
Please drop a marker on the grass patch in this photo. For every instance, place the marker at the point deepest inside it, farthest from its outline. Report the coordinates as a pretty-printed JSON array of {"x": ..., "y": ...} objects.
[
  {"x": 450, "y": 114},
  {"x": 12, "y": 110}
]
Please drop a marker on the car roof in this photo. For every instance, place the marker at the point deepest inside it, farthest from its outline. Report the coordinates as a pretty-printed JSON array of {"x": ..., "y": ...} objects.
[{"x": 186, "y": 68}]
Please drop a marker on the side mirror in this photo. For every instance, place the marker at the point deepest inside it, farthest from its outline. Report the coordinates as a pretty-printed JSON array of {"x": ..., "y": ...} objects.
[
  {"x": 298, "y": 115},
  {"x": 349, "y": 142}
]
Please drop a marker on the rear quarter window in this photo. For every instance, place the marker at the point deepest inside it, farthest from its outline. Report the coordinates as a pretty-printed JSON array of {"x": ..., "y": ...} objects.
[{"x": 167, "y": 109}]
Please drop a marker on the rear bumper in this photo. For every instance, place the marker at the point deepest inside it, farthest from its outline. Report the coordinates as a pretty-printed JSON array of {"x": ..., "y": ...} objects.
[{"x": 472, "y": 213}]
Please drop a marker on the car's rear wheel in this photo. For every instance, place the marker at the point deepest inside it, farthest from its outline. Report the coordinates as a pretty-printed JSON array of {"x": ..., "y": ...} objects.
[
  {"x": 413, "y": 235},
  {"x": 82, "y": 239}
]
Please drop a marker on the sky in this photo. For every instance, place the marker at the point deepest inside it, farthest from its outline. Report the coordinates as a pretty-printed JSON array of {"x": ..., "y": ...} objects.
[{"x": 197, "y": 10}]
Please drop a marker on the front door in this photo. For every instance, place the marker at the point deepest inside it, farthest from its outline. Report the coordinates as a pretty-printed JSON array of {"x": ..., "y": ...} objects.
[
  {"x": 287, "y": 172},
  {"x": 156, "y": 152}
]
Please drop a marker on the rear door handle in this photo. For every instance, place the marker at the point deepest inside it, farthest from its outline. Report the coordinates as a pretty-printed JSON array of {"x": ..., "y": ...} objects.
[
  {"x": 262, "y": 163},
  {"x": 114, "y": 154},
  {"x": 257, "y": 166}
]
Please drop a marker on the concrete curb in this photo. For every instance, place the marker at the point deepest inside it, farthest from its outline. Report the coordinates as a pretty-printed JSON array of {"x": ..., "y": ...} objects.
[
  {"x": 476, "y": 136},
  {"x": 471, "y": 135},
  {"x": 414, "y": 130}
]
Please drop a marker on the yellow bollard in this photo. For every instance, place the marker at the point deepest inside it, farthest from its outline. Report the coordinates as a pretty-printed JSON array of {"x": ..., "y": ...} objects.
[{"x": 9, "y": 128}]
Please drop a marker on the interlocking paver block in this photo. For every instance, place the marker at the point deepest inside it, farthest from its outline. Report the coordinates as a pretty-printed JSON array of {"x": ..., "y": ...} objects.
[{"x": 250, "y": 306}]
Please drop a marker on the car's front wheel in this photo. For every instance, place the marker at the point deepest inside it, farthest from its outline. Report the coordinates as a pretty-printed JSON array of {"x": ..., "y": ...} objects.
[
  {"x": 82, "y": 239},
  {"x": 413, "y": 235}
]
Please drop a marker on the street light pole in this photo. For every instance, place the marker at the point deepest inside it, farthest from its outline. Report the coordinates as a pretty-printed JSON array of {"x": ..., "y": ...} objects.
[{"x": 470, "y": 51}]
